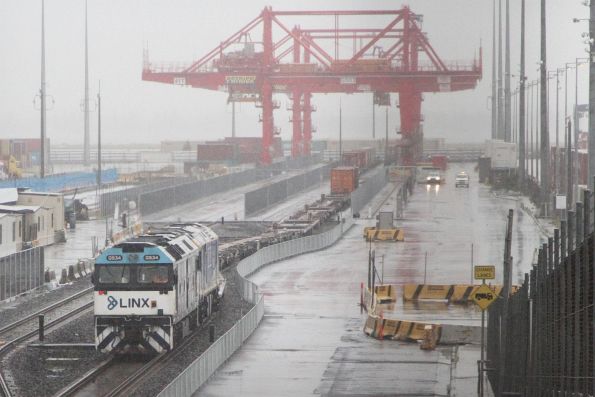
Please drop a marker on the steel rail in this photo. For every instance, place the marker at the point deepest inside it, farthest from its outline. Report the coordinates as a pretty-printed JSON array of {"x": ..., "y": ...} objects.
[
  {"x": 46, "y": 309},
  {"x": 10, "y": 344},
  {"x": 77, "y": 385}
]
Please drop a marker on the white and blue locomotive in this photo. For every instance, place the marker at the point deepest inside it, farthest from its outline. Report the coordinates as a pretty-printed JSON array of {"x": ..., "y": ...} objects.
[{"x": 152, "y": 290}]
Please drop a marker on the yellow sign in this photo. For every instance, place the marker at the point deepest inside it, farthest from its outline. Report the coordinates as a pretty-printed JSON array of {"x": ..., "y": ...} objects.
[
  {"x": 485, "y": 272},
  {"x": 240, "y": 80},
  {"x": 484, "y": 296}
]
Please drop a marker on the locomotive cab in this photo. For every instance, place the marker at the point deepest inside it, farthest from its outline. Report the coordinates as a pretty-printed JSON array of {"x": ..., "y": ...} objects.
[{"x": 152, "y": 290}]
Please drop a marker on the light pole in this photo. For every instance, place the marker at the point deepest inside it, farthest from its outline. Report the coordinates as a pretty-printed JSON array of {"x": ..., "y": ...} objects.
[
  {"x": 577, "y": 61},
  {"x": 567, "y": 66},
  {"x": 522, "y": 108},
  {"x": 99, "y": 138},
  {"x": 551, "y": 74},
  {"x": 531, "y": 85}
]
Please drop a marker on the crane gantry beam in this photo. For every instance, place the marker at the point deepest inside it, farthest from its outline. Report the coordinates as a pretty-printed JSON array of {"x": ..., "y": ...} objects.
[{"x": 385, "y": 59}]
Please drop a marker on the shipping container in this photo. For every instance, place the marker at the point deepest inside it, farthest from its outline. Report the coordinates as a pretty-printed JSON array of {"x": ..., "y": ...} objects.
[
  {"x": 248, "y": 147},
  {"x": 344, "y": 180},
  {"x": 502, "y": 154},
  {"x": 216, "y": 152},
  {"x": 440, "y": 161}
]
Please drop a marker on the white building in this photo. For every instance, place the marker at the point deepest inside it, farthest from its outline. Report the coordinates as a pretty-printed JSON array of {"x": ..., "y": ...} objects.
[
  {"x": 37, "y": 223},
  {"x": 11, "y": 233},
  {"x": 54, "y": 202}
]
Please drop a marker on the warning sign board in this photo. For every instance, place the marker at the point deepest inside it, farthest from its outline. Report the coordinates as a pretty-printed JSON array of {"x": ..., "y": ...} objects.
[
  {"x": 485, "y": 272},
  {"x": 483, "y": 296}
]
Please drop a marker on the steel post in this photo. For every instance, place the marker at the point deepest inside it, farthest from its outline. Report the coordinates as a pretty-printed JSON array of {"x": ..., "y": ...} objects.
[{"x": 522, "y": 107}]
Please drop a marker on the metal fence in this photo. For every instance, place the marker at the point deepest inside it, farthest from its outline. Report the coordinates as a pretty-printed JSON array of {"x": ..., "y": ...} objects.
[
  {"x": 548, "y": 348},
  {"x": 193, "y": 377},
  {"x": 21, "y": 272},
  {"x": 111, "y": 196},
  {"x": 260, "y": 199},
  {"x": 158, "y": 200},
  {"x": 373, "y": 183},
  {"x": 59, "y": 182}
]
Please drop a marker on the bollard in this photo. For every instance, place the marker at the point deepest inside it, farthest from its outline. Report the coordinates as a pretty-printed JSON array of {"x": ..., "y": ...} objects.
[
  {"x": 52, "y": 275},
  {"x": 41, "y": 319},
  {"x": 222, "y": 220},
  {"x": 361, "y": 298},
  {"x": 211, "y": 333},
  {"x": 64, "y": 277},
  {"x": 71, "y": 272},
  {"x": 46, "y": 276}
]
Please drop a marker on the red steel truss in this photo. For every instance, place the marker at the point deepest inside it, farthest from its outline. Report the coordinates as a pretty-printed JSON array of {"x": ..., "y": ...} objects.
[{"x": 394, "y": 58}]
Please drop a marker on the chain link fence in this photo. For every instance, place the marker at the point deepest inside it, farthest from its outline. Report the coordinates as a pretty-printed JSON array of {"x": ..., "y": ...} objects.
[
  {"x": 548, "y": 348},
  {"x": 21, "y": 272},
  {"x": 193, "y": 377}
]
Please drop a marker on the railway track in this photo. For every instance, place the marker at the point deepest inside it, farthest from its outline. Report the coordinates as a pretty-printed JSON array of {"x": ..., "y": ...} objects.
[
  {"x": 27, "y": 327},
  {"x": 131, "y": 382}
]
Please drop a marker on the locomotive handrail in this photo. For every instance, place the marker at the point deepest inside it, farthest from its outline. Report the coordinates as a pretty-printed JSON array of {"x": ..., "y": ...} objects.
[{"x": 197, "y": 373}]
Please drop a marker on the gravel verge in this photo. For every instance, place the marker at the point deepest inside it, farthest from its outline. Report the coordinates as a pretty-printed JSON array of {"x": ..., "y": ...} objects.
[
  {"x": 33, "y": 301},
  {"x": 36, "y": 371},
  {"x": 232, "y": 308}
]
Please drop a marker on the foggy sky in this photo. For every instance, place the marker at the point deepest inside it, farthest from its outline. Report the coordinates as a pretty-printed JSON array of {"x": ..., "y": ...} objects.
[{"x": 183, "y": 30}]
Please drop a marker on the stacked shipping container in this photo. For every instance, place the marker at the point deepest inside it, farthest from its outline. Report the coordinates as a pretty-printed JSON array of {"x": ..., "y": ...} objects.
[
  {"x": 344, "y": 180},
  {"x": 236, "y": 150}
]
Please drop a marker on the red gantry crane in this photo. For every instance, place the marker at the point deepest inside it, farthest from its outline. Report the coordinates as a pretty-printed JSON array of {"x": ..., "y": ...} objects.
[{"x": 394, "y": 58}]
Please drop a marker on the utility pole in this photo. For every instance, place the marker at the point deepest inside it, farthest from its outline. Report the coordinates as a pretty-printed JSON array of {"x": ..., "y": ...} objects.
[
  {"x": 386, "y": 140},
  {"x": 531, "y": 129},
  {"x": 569, "y": 181},
  {"x": 494, "y": 78},
  {"x": 99, "y": 137},
  {"x": 506, "y": 288},
  {"x": 233, "y": 119},
  {"x": 545, "y": 136},
  {"x": 522, "y": 109},
  {"x": 592, "y": 124},
  {"x": 507, "y": 107},
  {"x": 373, "y": 119},
  {"x": 42, "y": 93},
  {"x": 340, "y": 133},
  {"x": 557, "y": 166},
  {"x": 500, "y": 88},
  {"x": 86, "y": 143},
  {"x": 591, "y": 98}
]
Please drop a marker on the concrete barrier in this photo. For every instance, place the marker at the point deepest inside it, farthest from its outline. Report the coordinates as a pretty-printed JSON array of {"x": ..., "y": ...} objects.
[
  {"x": 413, "y": 331},
  {"x": 452, "y": 293}
]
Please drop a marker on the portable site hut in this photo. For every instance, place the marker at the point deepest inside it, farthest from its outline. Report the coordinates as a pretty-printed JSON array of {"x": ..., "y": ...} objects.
[
  {"x": 52, "y": 201},
  {"x": 11, "y": 234},
  {"x": 37, "y": 223}
]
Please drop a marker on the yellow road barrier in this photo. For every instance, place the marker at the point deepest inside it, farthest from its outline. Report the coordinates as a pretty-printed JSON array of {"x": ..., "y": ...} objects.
[
  {"x": 371, "y": 233},
  {"x": 452, "y": 293},
  {"x": 401, "y": 330}
]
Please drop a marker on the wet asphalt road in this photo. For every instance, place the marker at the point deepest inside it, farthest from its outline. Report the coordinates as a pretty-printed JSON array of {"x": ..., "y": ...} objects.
[{"x": 311, "y": 340}]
